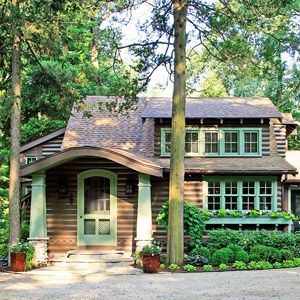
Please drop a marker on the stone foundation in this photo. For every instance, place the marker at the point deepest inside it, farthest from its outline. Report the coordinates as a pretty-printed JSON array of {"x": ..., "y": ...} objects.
[{"x": 41, "y": 250}]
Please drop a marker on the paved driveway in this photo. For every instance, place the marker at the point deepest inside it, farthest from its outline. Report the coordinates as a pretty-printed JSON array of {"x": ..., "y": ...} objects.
[{"x": 269, "y": 284}]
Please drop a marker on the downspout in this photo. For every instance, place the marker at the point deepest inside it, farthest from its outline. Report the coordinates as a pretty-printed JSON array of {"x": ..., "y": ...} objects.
[{"x": 283, "y": 190}]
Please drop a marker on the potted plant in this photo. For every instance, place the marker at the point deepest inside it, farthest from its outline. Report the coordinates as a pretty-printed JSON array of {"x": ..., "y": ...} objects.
[
  {"x": 21, "y": 255},
  {"x": 151, "y": 258}
]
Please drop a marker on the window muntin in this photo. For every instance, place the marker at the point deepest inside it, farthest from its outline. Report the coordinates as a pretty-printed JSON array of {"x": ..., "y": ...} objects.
[
  {"x": 214, "y": 196},
  {"x": 30, "y": 159},
  {"x": 216, "y": 142},
  {"x": 211, "y": 140},
  {"x": 231, "y": 195},
  {"x": 242, "y": 194},
  {"x": 231, "y": 142},
  {"x": 250, "y": 142},
  {"x": 248, "y": 195},
  {"x": 192, "y": 142}
]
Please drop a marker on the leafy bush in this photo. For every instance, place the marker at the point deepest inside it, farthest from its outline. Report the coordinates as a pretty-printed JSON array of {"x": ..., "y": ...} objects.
[
  {"x": 297, "y": 262},
  {"x": 223, "y": 267},
  {"x": 220, "y": 257},
  {"x": 288, "y": 264},
  {"x": 162, "y": 266},
  {"x": 261, "y": 252},
  {"x": 240, "y": 265},
  {"x": 260, "y": 265},
  {"x": 286, "y": 254},
  {"x": 189, "y": 268},
  {"x": 277, "y": 265},
  {"x": 207, "y": 268},
  {"x": 230, "y": 254},
  {"x": 174, "y": 267},
  {"x": 193, "y": 224},
  {"x": 242, "y": 256},
  {"x": 196, "y": 260},
  {"x": 219, "y": 239},
  {"x": 203, "y": 251},
  {"x": 151, "y": 249},
  {"x": 235, "y": 249}
]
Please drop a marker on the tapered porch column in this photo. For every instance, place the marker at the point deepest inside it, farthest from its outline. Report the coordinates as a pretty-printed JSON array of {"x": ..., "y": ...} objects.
[
  {"x": 144, "y": 212},
  {"x": 38, "y": 220}
]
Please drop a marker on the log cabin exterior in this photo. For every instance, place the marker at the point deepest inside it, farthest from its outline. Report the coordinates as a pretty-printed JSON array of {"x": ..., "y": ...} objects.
[{"x": 100, "y": 182}]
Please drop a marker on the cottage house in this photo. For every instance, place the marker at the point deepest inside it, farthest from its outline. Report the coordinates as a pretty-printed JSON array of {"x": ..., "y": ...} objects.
[{"x": 100, "y": 182}]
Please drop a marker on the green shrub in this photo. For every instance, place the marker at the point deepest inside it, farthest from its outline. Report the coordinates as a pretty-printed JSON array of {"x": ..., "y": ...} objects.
[
  {"x": 265, "y": 253},
  {"x": 174, "y": 267},
  {"x": 274, "y": 254},
  {"x": 288, "y": 264},
  {"x": 242, "y": 256},
  {"x": 260, "y": 265},
  {"x": 286, "y": 254},
  {"x": 223, "y": 267},
  {"x": 189, "y": 268},
  {"x": 203, "y": 251},
  {"x": 297, "y": 262},
  {"x": 277, "y": 265},
  {"x": 207, "y": 268},
  {"x": 162, "y": 266},
  {"x": 230, "y": 254},
  {"x": 235, "y": 249},
  {"x": 220, "y": 257},
  {"x": 240, "y": 265}
]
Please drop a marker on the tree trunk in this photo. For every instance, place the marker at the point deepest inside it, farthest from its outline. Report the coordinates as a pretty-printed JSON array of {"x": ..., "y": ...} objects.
[
  {"x": 176, "y": 192},
  {"x": 14, "y": 176}
]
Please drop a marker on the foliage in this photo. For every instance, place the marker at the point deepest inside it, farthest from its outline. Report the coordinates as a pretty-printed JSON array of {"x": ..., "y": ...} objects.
[
  {"x": 189, "y": 268},
  {"x": 260, "y": 265},
  {"x": 223, "y": 267},
  {"x": 200, "y": 250},
  {"x": 174, "y": 267},
  {"x": 162, "y": 266},
  {"x": 297, "y": 262},
  {"x": 265, "y": 253},
  {"x": 151, "y": 249},
  {"x": 28, "y": 248},
  {"x": 235, "y": 249},
  {"x": 196, "y": 260},
  {"x": 230, "y": 254},
  {"x": 207, "y": 268},
  {"x": 220, "y": 257},
  {"x": 242, "y": 256},
  {"x": 240, "y": 265},
  {"x": 288, "y": 264},
  {"x": 277, "y": 265},
  {"x": 286, "y": 254},
  {"x": 193, "y": 224},
  {"x": 219, "y": 239}
]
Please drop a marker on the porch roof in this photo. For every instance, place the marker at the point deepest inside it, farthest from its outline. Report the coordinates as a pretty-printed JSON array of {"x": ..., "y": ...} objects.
[{"x": 130, "y": 160}]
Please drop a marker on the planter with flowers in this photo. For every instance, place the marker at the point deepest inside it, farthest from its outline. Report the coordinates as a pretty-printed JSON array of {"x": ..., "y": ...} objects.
[
  {"x": 21, "y": 255},
  {"x": 151, "y": 258}
]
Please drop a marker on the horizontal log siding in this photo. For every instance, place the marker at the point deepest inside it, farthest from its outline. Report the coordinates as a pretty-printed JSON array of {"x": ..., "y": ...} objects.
[
  {"x": 52, "y": 146},
  {"x": 280, "y": 136},
  {"x": 160, "y": 194},
  {"x": 196, "y": 124},
  {"x": 62, "y": 211}
]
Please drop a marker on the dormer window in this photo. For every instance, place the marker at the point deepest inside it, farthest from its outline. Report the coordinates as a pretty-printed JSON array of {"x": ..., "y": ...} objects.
[
  {"x": 216, "y": 142},
  {"x": 30, "y": 159}
]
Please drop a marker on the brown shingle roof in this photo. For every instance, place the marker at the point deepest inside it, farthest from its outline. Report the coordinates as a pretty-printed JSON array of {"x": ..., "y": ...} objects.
[{"x": 219, "y": 108}]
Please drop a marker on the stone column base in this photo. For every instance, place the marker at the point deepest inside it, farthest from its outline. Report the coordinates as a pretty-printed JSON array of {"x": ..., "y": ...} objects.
[
  {"x": 41, "y": 250},
  {"x": 140, "y": 243}
]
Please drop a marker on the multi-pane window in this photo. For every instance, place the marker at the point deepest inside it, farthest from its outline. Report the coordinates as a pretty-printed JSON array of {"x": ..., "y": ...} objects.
[
  {"x": 30, "y": 159},
  {"x": 241, "y": 194},
  {"x": 214, "y": 196},
  {"x": 250, "y": 142},
  {"x": 265, "y": 195},
  {"x": 192, "y": 142},
  {"x": 216, "y": 141},
  {"x": 231, "y": 142},
  {"x": 211, "y": 141},
  {"x": 248, "y": 195},
  {"x": 231, "y": 195}
]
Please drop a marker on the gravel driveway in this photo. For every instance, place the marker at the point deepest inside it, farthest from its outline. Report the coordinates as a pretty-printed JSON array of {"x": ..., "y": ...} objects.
[{"x": 269, "y": 284}]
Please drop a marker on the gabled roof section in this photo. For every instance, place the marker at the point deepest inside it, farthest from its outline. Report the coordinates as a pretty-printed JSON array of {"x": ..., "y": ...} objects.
[
  {"x": 43, "y": 139},
  {"x": 108, "y": 129},
  {"x": 215, "y": 108}
]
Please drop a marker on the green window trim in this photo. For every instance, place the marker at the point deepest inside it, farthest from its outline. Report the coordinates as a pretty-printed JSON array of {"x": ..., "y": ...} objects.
[
  {"x": 240, "y": 180},
  {"x": 30, "y": 159},
  {"x": 221, "y": 146}
]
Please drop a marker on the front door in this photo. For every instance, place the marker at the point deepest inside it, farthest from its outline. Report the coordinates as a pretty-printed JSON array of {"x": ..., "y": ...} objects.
[{"x": 97, "y": 208}]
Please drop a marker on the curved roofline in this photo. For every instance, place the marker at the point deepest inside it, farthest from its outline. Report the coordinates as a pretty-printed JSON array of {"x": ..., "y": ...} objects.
[{"x": 122, "y": 157}]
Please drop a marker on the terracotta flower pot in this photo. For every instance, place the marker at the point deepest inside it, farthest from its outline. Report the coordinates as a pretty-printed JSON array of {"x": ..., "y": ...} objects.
[
  {"x": 151, "y": 263},
  {"x": 18, "y": 261}
]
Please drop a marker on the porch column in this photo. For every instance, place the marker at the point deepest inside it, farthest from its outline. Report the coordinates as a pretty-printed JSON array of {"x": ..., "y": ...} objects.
[
  {"x": 38, "y": 222},
  {"x": 144, "y": 212}
]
